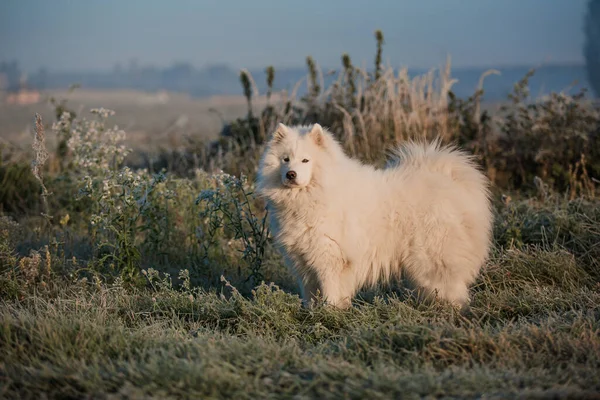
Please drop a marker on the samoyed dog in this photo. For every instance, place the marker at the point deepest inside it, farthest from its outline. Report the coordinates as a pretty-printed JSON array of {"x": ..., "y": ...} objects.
[{"x": 342, "y": 225}]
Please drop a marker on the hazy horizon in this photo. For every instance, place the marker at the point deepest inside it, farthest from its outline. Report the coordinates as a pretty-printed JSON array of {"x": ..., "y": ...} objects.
[{"x": 96, "y": 35}]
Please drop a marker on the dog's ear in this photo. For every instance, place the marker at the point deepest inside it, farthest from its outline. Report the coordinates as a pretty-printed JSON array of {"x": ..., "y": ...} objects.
[
  {"x": 317, "y": 135},
  {"x": 280, "y": 132}
]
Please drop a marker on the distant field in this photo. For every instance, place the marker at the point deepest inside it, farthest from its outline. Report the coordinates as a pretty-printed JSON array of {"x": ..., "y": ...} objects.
[{"x": 151, "y": 120}]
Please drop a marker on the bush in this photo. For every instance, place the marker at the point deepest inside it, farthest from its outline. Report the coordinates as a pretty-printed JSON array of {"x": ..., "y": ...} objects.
[{"x": 554, "y": 138}]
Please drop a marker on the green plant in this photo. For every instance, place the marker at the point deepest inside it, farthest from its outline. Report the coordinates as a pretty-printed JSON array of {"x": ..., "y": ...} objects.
[
  {"x": 10, "y": 232},
  {"x": 19, "y": 189},
  {"x": 60, "y": 108},
  {"x": 270, "y": 72},
  {"x": 547, "y": 138},
  {"x": 230, "y": 210},
  {"x": 349, "y": 76},
  {"x": 380, "y": 42},
  {"x": 313, "y": 88},
  {"x": 245, "y": 80}
]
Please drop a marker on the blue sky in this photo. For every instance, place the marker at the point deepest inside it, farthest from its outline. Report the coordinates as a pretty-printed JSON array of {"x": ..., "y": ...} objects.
[{"x": 96, "y": 34}]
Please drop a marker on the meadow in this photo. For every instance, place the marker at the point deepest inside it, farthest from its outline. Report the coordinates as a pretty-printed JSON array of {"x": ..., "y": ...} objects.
[{"x": 129, "y": 279}]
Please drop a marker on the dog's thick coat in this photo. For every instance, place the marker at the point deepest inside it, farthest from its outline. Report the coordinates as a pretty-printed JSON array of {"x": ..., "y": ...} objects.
[{"x": 342, "y": 225}]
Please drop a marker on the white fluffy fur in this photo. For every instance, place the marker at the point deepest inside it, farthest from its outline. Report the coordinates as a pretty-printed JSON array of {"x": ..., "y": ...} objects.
[{"x": 342, "y": 225}]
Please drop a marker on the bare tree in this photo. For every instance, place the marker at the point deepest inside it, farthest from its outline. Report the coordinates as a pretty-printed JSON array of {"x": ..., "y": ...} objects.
[{"x": 591, "y": 48}]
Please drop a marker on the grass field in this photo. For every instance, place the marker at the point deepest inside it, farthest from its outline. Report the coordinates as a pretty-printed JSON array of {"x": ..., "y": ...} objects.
[
  {"x": 526, "y": 336},
  {"x": 532, "y": 331},
  {"x": 123, "y": 283}
]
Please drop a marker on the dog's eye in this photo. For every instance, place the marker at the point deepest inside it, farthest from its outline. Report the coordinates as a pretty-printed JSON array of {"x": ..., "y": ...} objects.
[
  {"x": 286, "y": 159},
  {"x": 305, "y": 161}
]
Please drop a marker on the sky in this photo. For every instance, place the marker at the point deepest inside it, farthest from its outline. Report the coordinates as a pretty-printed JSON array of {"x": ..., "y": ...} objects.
[{"x": 76, "y": 35}]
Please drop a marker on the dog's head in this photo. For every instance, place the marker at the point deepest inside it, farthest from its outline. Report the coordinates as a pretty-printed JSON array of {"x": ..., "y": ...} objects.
[{"x": 292, "y": 156}]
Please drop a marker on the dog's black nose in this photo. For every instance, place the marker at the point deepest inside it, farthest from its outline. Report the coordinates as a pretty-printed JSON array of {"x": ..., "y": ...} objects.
[{"x": 291, "y": 175}]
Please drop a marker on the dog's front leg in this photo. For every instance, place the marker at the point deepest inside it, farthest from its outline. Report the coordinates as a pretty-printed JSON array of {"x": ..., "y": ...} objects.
[
  {"x": 309, "y": 289},
  {"x": 337, "y": 286},
  {"x": 327, "y": 288},
  {"x": 334, "y": 274}
]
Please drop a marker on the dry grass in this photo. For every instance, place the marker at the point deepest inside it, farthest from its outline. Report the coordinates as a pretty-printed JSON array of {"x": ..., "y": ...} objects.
[{"x": 151, "y": 124}]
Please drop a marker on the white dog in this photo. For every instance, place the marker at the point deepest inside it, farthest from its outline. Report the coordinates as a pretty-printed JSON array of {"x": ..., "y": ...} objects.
[{"x": 342, "y": 225}]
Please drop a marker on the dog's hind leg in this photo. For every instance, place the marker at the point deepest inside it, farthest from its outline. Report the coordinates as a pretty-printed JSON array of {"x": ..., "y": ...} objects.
[
  {"x": 448, "y": 279},
  {"x": 440, "y": 278}
]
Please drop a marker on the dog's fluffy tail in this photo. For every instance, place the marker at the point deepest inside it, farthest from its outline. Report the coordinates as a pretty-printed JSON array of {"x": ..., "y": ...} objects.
[{"x": 448, "y": 160}]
